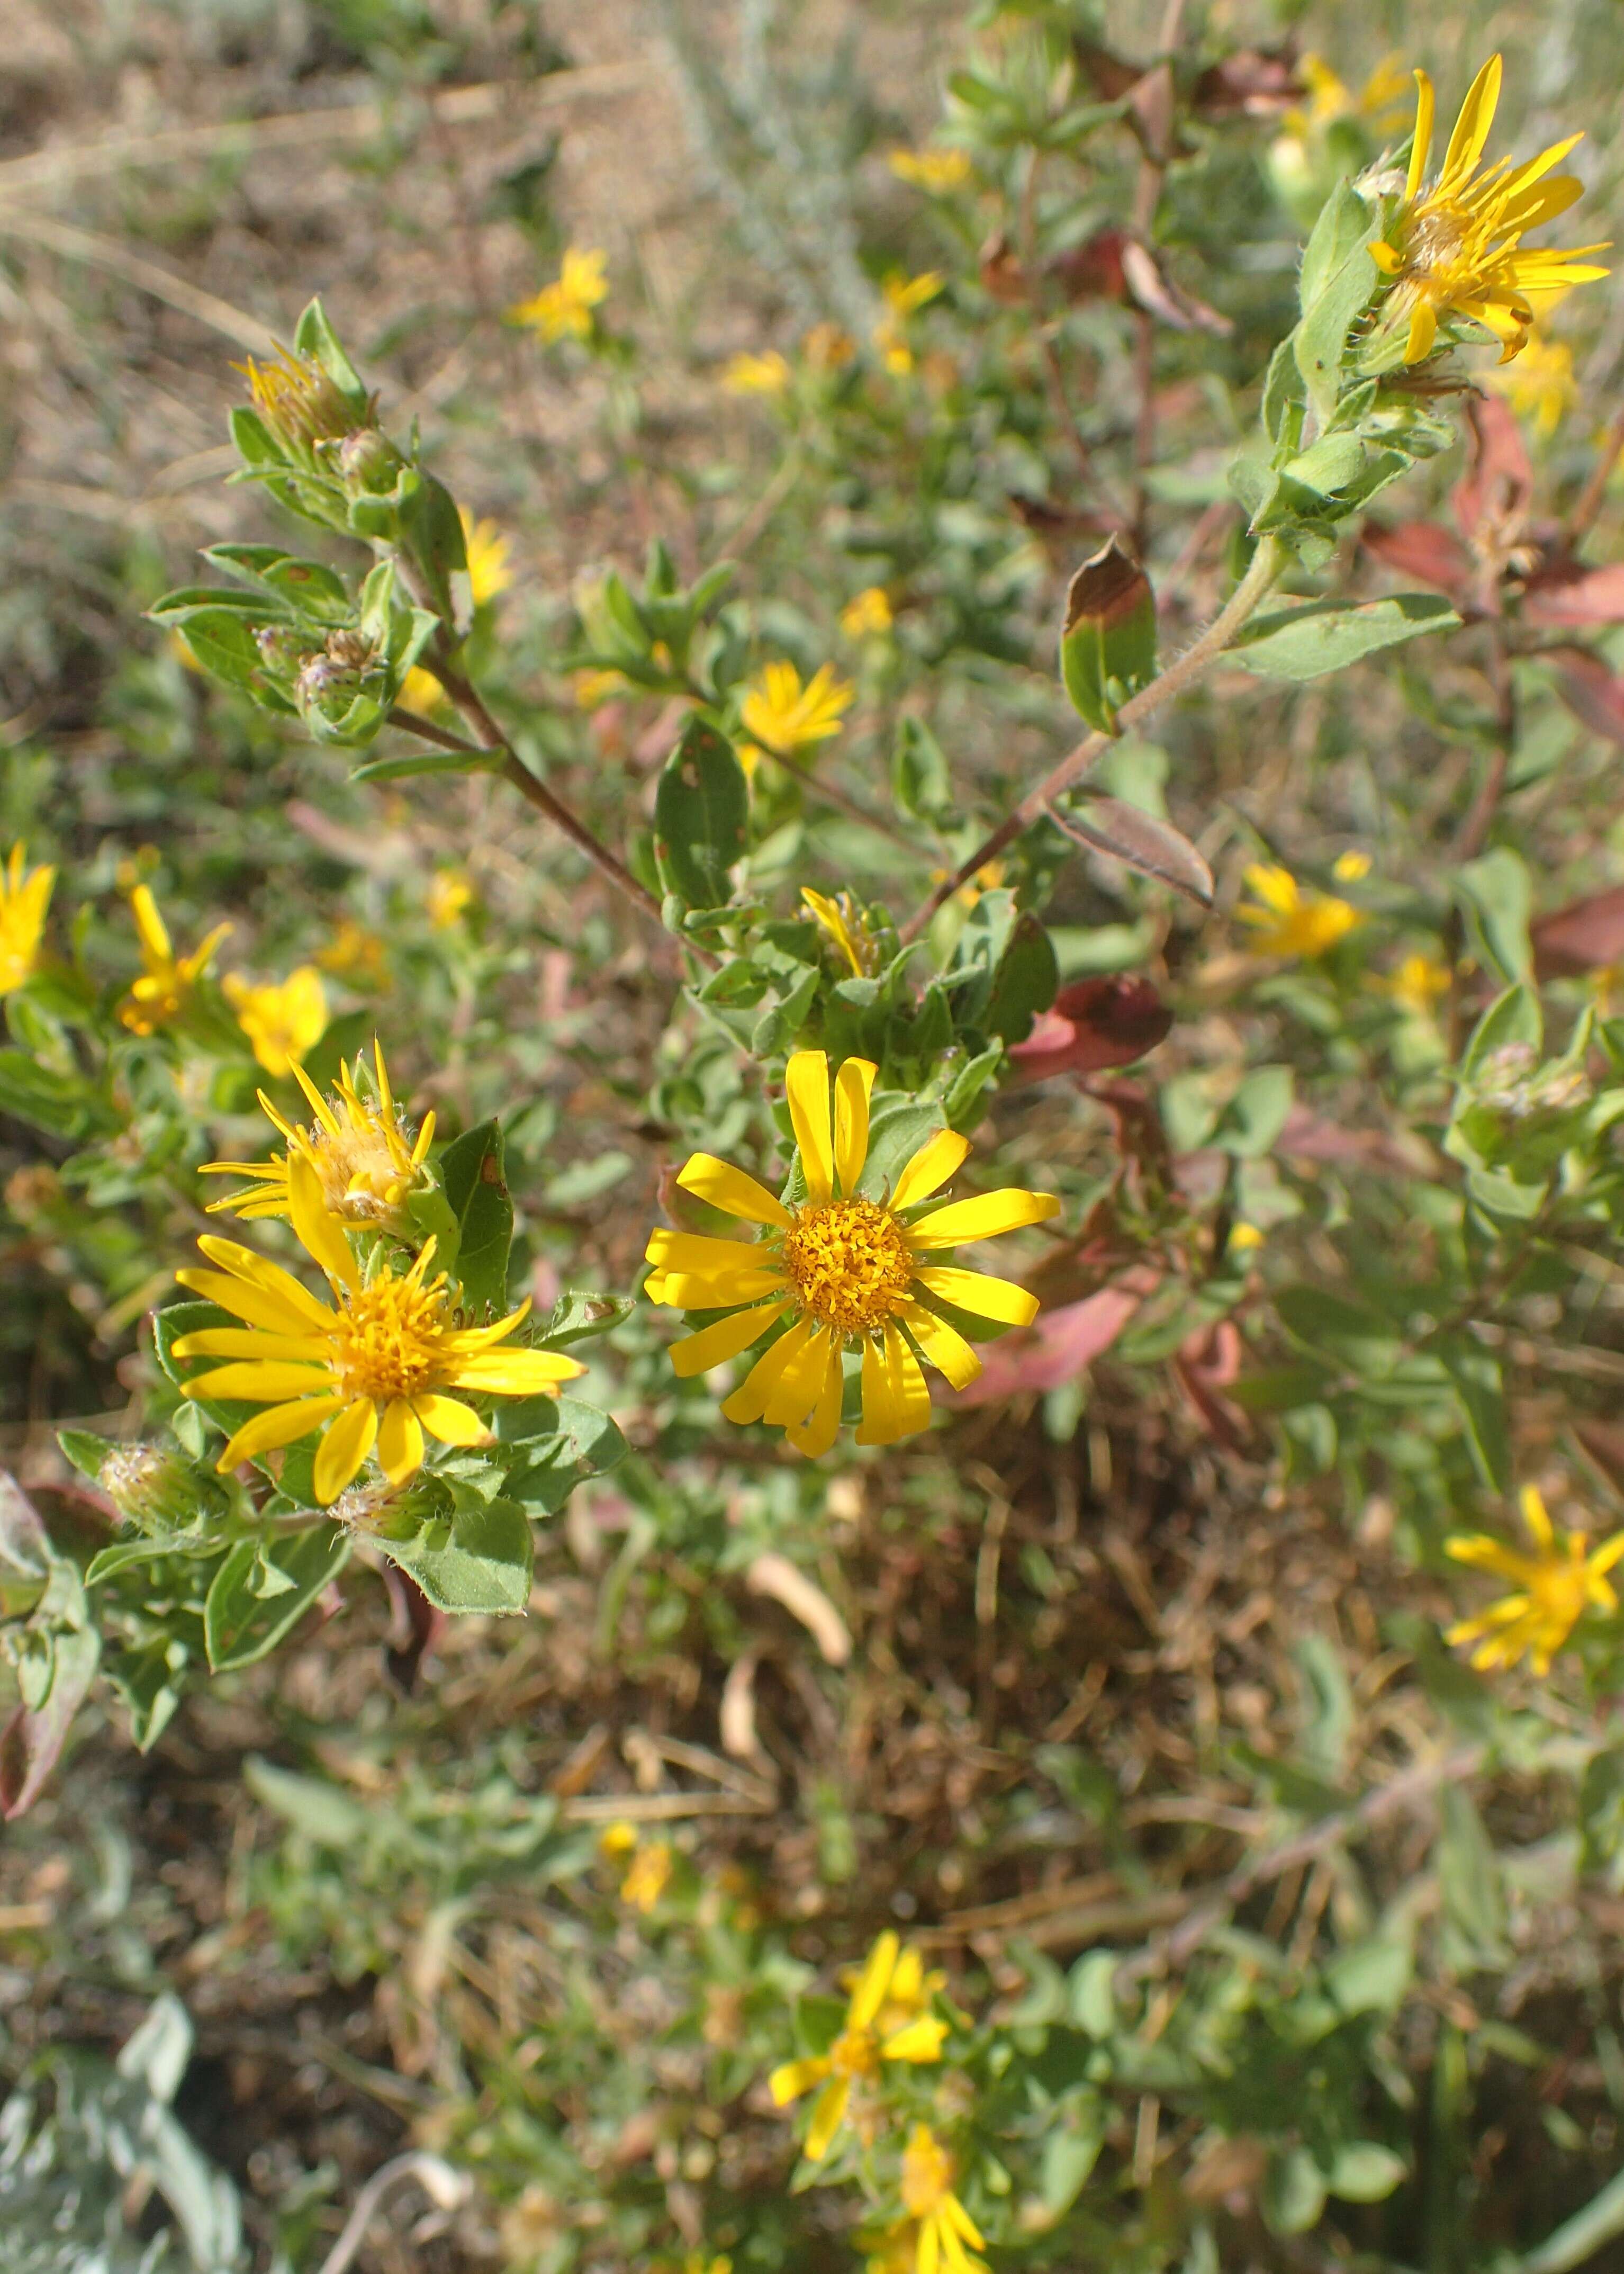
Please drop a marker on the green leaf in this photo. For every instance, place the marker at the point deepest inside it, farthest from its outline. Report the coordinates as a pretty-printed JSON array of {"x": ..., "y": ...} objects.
[
  {"x": 263, "y": 1589},
  {"x": 1068, "y": 2156},
  {"x": 897, "y": 1127},
  {"x": 579, "y": 1313},
  {"x": 316, "y": 337},
  {"x": 476, "y": 1560},
  {"x": 1023, "y": 982},
  {"x": 475, "y": 1189},
  {"x": 919, "y": 779},
  {"x": 432, "y": 529},
  {"x": 554, "y": 1443},
  {"x": 1360, "y": 1338},
  {"x": 1344, "y": 220},
  {"x": 1512, "y": 1020},
  {"x": 701, "y": 812},
  {"x": 1293, "y": 2192},
  {"x": 1338, "y": 282},
  {"x": 430, "y": 762},
  {"x": 59, "y": 1103},
  {"x": 1250, "y": 1123},
  {"x": 308, "y": 1805},
  {"x": 1108, "y": 641},
  {"x": 1480, "y": 1393},
  {"x": 1321, "y": 635},
  {"x": 1496, "y": 900},
  {"x": 1363, "y": 2171}
]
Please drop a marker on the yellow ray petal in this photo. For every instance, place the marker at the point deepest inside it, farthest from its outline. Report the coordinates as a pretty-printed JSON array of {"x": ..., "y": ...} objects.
[
  {"x": 400, "y": 1441},
  {"x": 1423, "y": 332},
  {"x": 319, "y": 1232},
  {"x": 938, "y": 1158},
  {"x": 852, "y": 1085},
  {"x": 749, "y": 1401},
  {"x": 695, "y": 1252},
  {"x": 896, "y": 1403},
  {"x": 348, "y": 1441},
  {"x": 984, "y": 1217},
  {"x": 449, "y": 1420},
  {"x": 827, "y": 2112},
  {"x": 1535, "y": 1516},
  {"x": 278, "y": 1424},
  {"x": 513, "y": 1374},
  {"x": 815, "y": 1437},
  {"x": 791, "y": 2079},
  {"x": 796, "y": 1391},
  {"x": 919, "y": 2040},
  {"x": 265, "y": 1380},
  {"x": 260, "y": 1271},
  {"x": 695, "y": 1290},
  {"x": 152, "y": 930},
  {"x": 966, "y": 2226},
  {"x": 944, "y": 1346},
  {"x": 259, "y": 1307},
  {"x": 981, "y": 1294},
  {"x": 874, "y": 1982},
  {"x": 732, "y": 1191},
  {"x": 249, "y": 1341},
  {"x": 927, "y": 2251},
  {"x": 715, "y": 1345},
  {"x": 806, "y": 1080},
  {"x": 1471, "y": 128}
]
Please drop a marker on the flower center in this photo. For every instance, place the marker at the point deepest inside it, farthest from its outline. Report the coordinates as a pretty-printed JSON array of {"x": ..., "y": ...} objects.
[
  {"x": 853, "y": 2053},
  {"x": 386, "y": 1340},
  {"x": 363, "y": 1178},
  {"x": 1436, "y": 243},
  {"x": 849, "y": 1263}
]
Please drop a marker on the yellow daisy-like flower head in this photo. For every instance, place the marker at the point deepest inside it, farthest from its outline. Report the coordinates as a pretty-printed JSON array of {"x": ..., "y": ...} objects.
[
  {"x": 844, "y": 922},
  {"x": 488, "y": 551},
  {"x": 782, "y": 715},
  {"x": 839, "y": 1269},
  {"x": 868, "y": 614},
  {"x": 1457, "y": 247},
  {"x": 943, "y": 2226},
  {"x": 371, "y": 1368},
  {"x": 283, "y": 1019},
  {"x": 648, "y": 1875},
  {"x": 1541, "y": 385},
  {"x": 1555, "y": 1585},
  {"x": 1416, "y": 985},
  {"x": 356, "y": 955},
  {"x": 25, "y": 896},
  {"x": 889, "y": 2019},
  {"x": 366, "y": 1156},
  {"x": 1288, "y": 921},
  {"x": 564, "y": 309},
  {"x": 163, "y": 991},
  {"x": 757, "y": 374},
  {"x": 450, "y": 895},
  {"x": 937, "y": 172}
]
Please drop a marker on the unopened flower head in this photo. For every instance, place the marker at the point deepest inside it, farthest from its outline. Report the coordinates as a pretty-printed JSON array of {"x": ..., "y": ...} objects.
[
  {"x": 283, "y": 1019},
  {"x": 367, "y": 1157},
  {"x": 843, "y": 922},
  {"x": 150, "y": 1486},
  {"x": 1289, "y": 921},
  {"x": 25, "y": 896},
  {"x": 888, "y": 2019},
  {"x": 1555, "y": 1584},
  {"x": 371, "y": 1369},
  {"x": 1455, "y": 249},
  {"x": 164, "y": 989},
  {"x": 565, "y": 308},
  {"x": 781, "y": 716},
  {"x": 838, "y": 1270},
  {"x": 302, "y": 407}
]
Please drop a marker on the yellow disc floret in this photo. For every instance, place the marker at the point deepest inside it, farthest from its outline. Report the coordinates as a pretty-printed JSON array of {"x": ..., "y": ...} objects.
[
  {"x": 850, "y": 1264},
  {"x": 366, "y": 1156},
  {"x": 386, "y": 1342}
]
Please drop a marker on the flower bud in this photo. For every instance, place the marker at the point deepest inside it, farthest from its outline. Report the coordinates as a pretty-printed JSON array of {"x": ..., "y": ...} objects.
[
  {"x": 368, "y": 462},
  {"x": 155, "y": 1490},
  {"x": 299, "y": 405}
]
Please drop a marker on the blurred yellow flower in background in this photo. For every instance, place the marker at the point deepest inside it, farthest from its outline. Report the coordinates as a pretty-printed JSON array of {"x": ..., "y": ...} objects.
[
  {"x": 904, "y": 296},
  {"x": 1416, "y": 985},
  {"x": 489, "y": 552},
  {"x": 867, "y": 615},
  {"x": 284, "y": 1019},
  {"x": 1541, "y": 385},
  {"x": 1555, "y": 1585},
  {"x": 1455, "y": 248},
  {"x": 1286, "y": 920},
  {"x": 828, "y": 347},
  {"x": 165, "y": 989},
  {"x": 936, "y": 171},
  {"x": 25, "y": 897},
  {"x": 356, "y": 955},
  {"x": 1352, "y": 868},
  {"x": 944, "y": 2225},
  {"x": 757, "y": 374},
  {"x": 564, "y": 309},
  {"x": 449, "y": 897}
]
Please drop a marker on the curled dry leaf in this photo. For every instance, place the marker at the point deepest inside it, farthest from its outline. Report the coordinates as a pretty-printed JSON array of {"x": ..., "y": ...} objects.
[
  {"x": 804, "y": 1600},
  {"x": 1155, "y": 290},
  {"x": 1141, "y": 841},
  {"x": 737, "y": 1716}
]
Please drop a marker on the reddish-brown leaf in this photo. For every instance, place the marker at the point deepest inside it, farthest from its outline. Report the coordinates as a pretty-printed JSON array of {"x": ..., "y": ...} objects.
[
  {"x": 1093, "y": 269},
  {"x": 1498, "y": 481},
  {"x": 1563, "y": 592},
  {"x": 1057, "y": 1346},
  {"x": 1253, "y": 83},
  {"x": 1591, "y": 693},
  {"x": 1095, "y": 1024},
  {"x": 1423, "y": 551},
  {"x": 1156, "y": 293},
  {"x": 1582, "y": 936}
]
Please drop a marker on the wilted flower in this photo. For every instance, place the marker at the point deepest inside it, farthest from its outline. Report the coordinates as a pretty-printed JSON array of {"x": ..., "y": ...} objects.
[
  {"x": 163, "y": 991},
  {"x": 563, "y": 309},
  {"x": 889, "y": 2019},
  {"x": 846, "y": 1269},
  {"x": 365, "y": 1154},
  {"x": 1288, "y": 921},
  {"x": 370, "y": 1369},
  {"x": 1455, "y": 248},
  {"x": 25, "y": 896},
  {"x": 283, "y": 1019},
  {"x": 1555, "y": 1585}
]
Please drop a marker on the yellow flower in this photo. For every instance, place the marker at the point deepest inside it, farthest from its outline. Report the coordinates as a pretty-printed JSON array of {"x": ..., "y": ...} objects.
[
  {"x": 450, "y": 894},
  {"x": 936, "y": 171},
  {"x": 903, "y": 295},
  {"x": 1416, "y": 985},
  {"x": 563, "y": 309},
  {"x": 371, "y": 1368},
  {"x": 887, "y": 2019},
  {"x": 366, "y": 1156},
  {"x": 943, "y": 2224},
  {"x": 827, "y": 347},
  {"x": 1541, "y": 384},
  {"x": 488, "y": 551},
  {"x": 987, "y": 878},
  {"x": 868, "y": 615},
  {"x": 284, "y": 1021},
  {"x": 842, "y": 920},
  {"x": 783, "y": 717},
  {"x": 1352, "y": 868},
  {"x": 1291, "y": 921},
  {"x": 645, "y": 1881},
  {"x": 299, "y": 404},
  {"x": 593, "y": 689},
  {"x": 757, "y": 374},
  {"x": 1555, "y": 1586},
  {"x": 422, "y": 692},
  {"x": 1244, "y": 1237},
  {"x": 161, "y": 993},
  {"x": 25, "y": 896},
  {"x": 1331, "y": 98},
  {"x": 846, "y": 1269},
  {"x": 356, "y": 954},
  {"x": 1454, "y": 249}
]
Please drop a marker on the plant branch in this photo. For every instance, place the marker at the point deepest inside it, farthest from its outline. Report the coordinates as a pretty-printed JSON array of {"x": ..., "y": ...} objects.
[
  {"x": 1146, "y": 197},
  {"x": 1267, "y": 562},
  {"x": 413, "y": 722},
  {"x": 1595, "y": 490}
]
